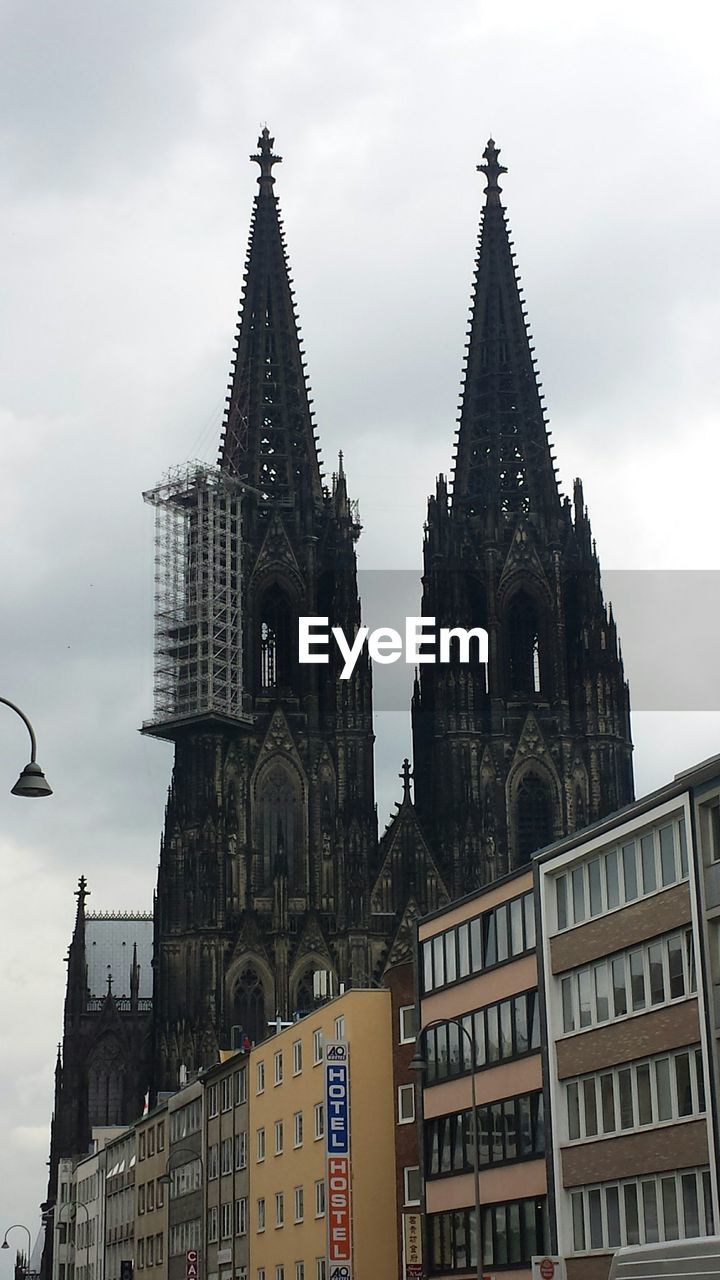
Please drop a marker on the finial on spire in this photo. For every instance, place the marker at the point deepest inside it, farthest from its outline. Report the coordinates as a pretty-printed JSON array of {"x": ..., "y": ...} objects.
[
  {"x": 81, "y": 893},
  {"x": 340, "y": 463},
  {"x": 405, "y": 775},
  {"x": 492, "y": 168},
  {"x": 266, "y": 158}
]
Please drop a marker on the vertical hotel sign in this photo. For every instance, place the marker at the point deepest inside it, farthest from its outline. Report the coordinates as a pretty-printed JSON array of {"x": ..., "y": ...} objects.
[{"x": 337, "y": 1161}]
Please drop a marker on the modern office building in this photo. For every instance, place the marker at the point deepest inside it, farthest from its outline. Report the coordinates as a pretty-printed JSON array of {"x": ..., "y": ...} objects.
[
  {"x": 631, "y": 969},
  {"x": 480, "y": 1022},
  {"x": 292, "y": 1206},
  {"x": 120, "y": 1166},
  {"x": 185, "y": 1166}
]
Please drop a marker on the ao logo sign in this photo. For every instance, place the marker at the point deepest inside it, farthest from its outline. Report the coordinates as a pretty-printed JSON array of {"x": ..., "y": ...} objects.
[{"x": 337, "y": 1161}]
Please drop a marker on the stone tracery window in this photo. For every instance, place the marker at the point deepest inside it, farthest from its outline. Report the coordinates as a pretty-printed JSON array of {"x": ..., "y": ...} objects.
[
  {"x": 534, "y": 816},
  {"x": 280, "y": 827},
  {"x": 106, "y": 1083},
  {"x": 249, "y": 1005},
  {"x": 523, "y": 629}
]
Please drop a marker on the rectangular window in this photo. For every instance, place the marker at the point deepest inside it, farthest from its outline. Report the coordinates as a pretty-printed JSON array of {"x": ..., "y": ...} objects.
[
  {"x": 278, "y": 1137},
  {"x": 212, "y": 1225},
  {"x": 260, "y": 1144},
  {"x": 320, "y": 1198},
  {"x": 668, "y": 873},
  {"x": 630, "y": 880},
  {"x": 299, "y": 1204},
  {"x": 241, "y": 1216},
  {"x": 463, "y": 936},
  {"x": 212, "y": 1100},
  {"x": 317, "y": 1047},
  {"x": 319, "y": 1120},
  {"x": 320, "y": 1273},
  {"x": 226, "y": 1156},
  {"x": 299, "y": 1271},
  {"x": 240, "y": 1079},
  {"x": 641, "y": 1211},
  {"x": 161, "y": 1135},
  {"x": 714, "y": 831},
  {"x": 406, "y": 1103},
  {"x": 408, "y": 1024},
  {"x": 226, "y": 1093},
  {"x": 412, "y": 1184},
  {"x": 298, "y": 1129},
  {"x": 612, "y": 880},
  {"x": 340, "y": 1028},
  {"x": 278, "y": 1068},
  {"x": 260, "y": 1077},
  {"x": 213, "y": 1161},
  {"x": 261, "y": 1214},
  {"x": 595, "y": 886},
  {"x": 649, "y": 1092},
  {"x": 241, "y": 1150},
  {"x": 279, "y": 1209},
  {"x": 226, "y": 1220},
  {"x": 297, "y": 1057}
]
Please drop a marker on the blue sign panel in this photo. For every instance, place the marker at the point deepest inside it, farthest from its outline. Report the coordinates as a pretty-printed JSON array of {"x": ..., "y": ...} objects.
[{"x": 337, "y": 1099}]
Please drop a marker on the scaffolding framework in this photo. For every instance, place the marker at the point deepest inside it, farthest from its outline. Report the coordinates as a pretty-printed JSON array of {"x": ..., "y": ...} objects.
[{"x": 198, "y": 619}]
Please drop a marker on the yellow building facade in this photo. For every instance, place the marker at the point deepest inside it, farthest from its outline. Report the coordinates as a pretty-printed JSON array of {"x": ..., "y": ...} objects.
[{"x": 287, "y": 1155}]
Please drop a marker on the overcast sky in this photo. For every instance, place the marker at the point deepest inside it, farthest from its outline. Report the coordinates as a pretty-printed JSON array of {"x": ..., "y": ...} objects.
[{"x": 126, "y": 195}]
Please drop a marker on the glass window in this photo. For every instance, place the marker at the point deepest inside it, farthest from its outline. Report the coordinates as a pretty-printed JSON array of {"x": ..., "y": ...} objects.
[
  {"x": 691, "y": 1210},
  {"x": 671, "y": 1225},
  {"x": 667, "y": 855},
  {"x": 506, "y": 1029},
  {"x": 578, "y": 1218},
  {"x": 573, "y": 1105},
  {"x": 590, "y": 1107},
  {"x": 438, "y": 962},
  {"x": 502, "y": 928},
  {"x": 625, "y": 1098},
  {"x": 493, "y": 1034},
  {"x": 602, "y": 1002},
  {"x": 529, "y": 914},
  {"x": 607, "y": 1093},
  {"x": 664, "y": 1089},
  {"x": 684, "y": 1087},
  {"x": 567, "y": 1004},
  {"x": 450, "y": 957},
  {"x": 489, "y": 939},
  {"x": 578, "y": 894},
  {"x": 521, "y": 1024},
  {"x": 630, "y": 881},
  {"x": 427, "y": 965},
  {"x": 642, "y": 1078},
  {"x": 683, "y": 848},
  {"x": 408, "y": 1024},
  {"x": 612, "y": 880},
  {"x": 650, "y": 1211},
  {"x": 612, "y": 1205},
  {"x": 657, "y": 973},
  {"x": 476, "y": 944},
  {"x": 700, "y": 1079},
  {"x": 595, "y": 1214},
  {"x": 517, "y": 945},
  {"x": 595, "y": 887},
  {"x": 632, "y": 1220},
  {"x": 637, "y": 980},
  {"x": 463, "y": 936},
  {"x": 620, "y": 1005},
  {"x": 647, "y": 857},
  {"x": 585, "y": 996},
  {"x": 675, "y": 963}
]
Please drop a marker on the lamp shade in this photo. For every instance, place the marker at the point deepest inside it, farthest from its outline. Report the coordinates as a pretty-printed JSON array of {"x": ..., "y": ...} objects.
[{"x": 32, "y": 782}]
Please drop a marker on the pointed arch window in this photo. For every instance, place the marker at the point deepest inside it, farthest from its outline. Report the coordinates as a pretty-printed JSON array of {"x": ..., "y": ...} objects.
[
  {"x": 534, "y": 816},
  {"x": 106, "y": 1084},
  {"x": 275, "y": 639},
  {"x": 280, "y": 826},
  {"x": 523, "y": 628},
  {"x": 305, "y": 993},
  {"x": 249, "y": 1005}
]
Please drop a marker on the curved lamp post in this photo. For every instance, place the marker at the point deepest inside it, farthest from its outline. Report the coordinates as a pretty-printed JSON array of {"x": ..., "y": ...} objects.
[
  {"x": 19, "y": 1226},
  {"x": 419, "y": 1063},
  {"x": 32, "y": 781},
  {"x": 165, "y": 1178},
  {"x": 75, "y": 1205}
]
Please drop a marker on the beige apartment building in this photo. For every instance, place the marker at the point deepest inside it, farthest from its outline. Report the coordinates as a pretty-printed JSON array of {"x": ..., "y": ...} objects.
[
  {"x": 631, "y": 970},
  {"x": 289, "y": 1200},
  {"x": 477, "y": 965},
  {"x": 151, "y": 1195}
]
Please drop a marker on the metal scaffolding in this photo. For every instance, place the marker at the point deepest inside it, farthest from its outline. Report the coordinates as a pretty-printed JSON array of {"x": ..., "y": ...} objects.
[{"x": 198, "y": 621}]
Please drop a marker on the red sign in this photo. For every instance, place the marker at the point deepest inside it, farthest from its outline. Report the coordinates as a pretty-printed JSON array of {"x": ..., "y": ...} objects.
[
  {"x": 338, "y": 1209},
  {"x": 191, "y": 1265},
  {"x": 547, "y": 1269}
]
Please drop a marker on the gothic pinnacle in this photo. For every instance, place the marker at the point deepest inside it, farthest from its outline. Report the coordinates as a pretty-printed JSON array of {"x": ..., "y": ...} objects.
[
  {"x": 492, "y": 169},
  {"x": 266, "y": 158}
]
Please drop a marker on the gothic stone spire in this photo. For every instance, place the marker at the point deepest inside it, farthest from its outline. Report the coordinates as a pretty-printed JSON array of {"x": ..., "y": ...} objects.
[
  {"x": 268, "y": 436},
  {"x": 504, "y": 466}
]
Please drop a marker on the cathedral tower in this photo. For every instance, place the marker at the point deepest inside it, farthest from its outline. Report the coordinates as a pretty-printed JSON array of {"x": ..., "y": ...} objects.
[
  {"x": 537, "y": 743},
  {"x": 270, "y": 837}
]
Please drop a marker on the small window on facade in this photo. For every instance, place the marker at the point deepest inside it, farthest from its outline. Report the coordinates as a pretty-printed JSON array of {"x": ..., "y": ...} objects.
[
  {"x": 411, "y": 1180},
  {"x": 406, "y": 1103},
  {"x": 408, "y": 1024}
]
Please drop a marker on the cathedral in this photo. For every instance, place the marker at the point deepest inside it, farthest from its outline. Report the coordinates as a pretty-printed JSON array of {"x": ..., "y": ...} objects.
[{"x": 274, "y": 885}]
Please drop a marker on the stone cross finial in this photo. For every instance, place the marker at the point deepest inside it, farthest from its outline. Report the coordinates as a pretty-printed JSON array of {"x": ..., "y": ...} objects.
[
  {"x": 266, "y": 157},
  {"x": 492, "y": 168},
  {"x": 405, "y": 775}
]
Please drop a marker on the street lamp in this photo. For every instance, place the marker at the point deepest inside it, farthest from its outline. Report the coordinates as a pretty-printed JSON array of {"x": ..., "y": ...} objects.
[
  {"x": 165, "y": 1178},
  {"x": 19, "y": 1226},
  {"x": 32, "y": 781},
  {"x": 77, "y": 1204},
  {"x": 419, "y": 1063}
]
